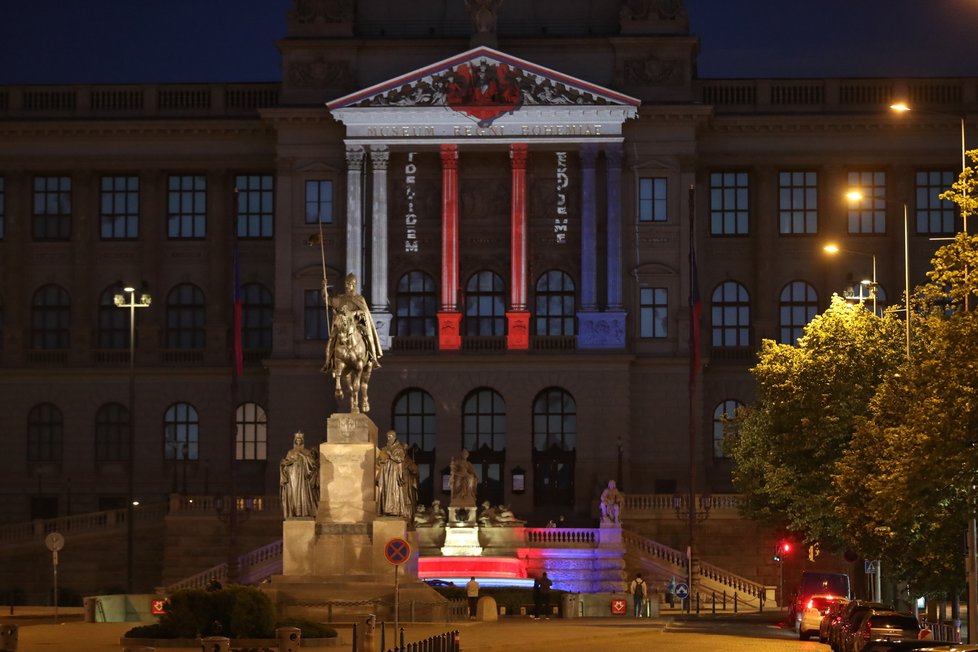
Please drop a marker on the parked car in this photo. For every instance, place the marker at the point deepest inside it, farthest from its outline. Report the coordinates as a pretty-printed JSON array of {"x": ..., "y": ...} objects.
[
  {"x": 811, "y": 612},
  {"x": 918, "y": 646},
  {"x": 874, "y": 625},
  {"x": 817, "y": 583},
  {"x": 852, "y": 611},
  {"x": 831, "y": 616}
]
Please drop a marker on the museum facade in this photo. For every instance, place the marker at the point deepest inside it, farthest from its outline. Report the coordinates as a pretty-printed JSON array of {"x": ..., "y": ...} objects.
[{"x": 520, "y": 200}]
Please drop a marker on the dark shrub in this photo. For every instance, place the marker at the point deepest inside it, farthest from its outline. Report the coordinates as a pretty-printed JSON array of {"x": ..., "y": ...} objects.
[
  {"x": 310, "y": 628},
  {"x": 235, "y": 612}
]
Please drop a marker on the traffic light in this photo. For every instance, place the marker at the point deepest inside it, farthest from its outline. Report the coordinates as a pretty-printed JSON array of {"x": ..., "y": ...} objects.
[{"x": 781, "y": 550}]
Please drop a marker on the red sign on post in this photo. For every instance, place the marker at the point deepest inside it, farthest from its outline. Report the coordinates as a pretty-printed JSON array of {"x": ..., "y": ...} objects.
[
  {"x": 619, "y": 606},
  {"x": 157, "y": 607},
  {"x": 397, "y": 551}
]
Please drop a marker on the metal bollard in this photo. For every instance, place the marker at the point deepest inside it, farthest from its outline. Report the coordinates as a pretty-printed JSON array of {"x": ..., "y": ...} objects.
[
  {"x": 215, "y": 644},
  {"x": 713, "y": 605},
  {"x": 289, "y": 639},
  {"x": 8, "y": 638}
]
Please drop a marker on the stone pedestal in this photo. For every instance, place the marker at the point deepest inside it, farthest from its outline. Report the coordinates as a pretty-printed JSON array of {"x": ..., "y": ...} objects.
[
  {"x": 347, "y": 463},
  {"x": 461, "y": 542}
]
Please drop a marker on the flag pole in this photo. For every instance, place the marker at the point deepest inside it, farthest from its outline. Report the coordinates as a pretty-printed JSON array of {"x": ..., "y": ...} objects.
[{"x": 694, "y": 361}]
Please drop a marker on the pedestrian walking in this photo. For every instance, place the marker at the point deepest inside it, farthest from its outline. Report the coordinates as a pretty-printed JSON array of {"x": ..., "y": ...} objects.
[
  {"x": 671, "y": 592},
  {"x": 640, "y": 591},
  {"x": 541, "y": 596},
  {"x": 472, "y": 593}
]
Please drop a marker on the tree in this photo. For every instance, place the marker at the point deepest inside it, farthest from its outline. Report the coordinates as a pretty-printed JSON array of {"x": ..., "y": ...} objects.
[{"x": 809, "y": 395}]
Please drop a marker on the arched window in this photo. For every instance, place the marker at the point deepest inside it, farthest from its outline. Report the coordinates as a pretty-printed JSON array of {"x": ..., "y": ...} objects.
[
  {"x": 45, "y": 434},
  {"x": 731, "y": 315},
  {"x": 554, "y": 447},
  {"x": 113, "y": 322},
  {"x": 416, "y": 305},
  {"x": 256, "y": 317},
  {"x": 51, "y": 318},
  {"x": 863, "y": 294},
  {"x": 484, "y": 436},
  {"x": 186, "y": 317},
  {"x": 485, "y": 304},
  {"x": 554, "y": 420},
  {"x": 112, "y": 433},
  {"x": 415, "y": 422},
  {"x": 723, "y": 411},
  {"x": 799, "y": 303},
  {"x": 484, "y": 421},
  {"x": 251, "y": 441},
  {"x": 181, "y": 432},
  {"x": 555, "y": 307}
]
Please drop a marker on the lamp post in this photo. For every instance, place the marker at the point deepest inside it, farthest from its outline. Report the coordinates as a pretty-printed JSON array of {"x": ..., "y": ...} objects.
[
  {"x": 834, "y": 249},
  {"x": 131, "y": 302}
]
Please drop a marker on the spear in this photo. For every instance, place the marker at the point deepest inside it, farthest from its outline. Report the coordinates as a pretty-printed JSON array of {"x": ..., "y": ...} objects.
[{"x": 319, "y": 237}]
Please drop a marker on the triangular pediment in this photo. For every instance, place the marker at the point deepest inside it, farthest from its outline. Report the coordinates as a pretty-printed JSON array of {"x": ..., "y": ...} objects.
[{"x": 484, "y": 84}]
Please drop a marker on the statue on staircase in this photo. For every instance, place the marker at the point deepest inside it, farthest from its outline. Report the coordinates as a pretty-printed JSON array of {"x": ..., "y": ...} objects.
[{"x": 299, "y": 480}]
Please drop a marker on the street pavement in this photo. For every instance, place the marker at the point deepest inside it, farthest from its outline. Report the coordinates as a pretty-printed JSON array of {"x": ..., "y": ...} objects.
[{"x": 722, "y": 633}]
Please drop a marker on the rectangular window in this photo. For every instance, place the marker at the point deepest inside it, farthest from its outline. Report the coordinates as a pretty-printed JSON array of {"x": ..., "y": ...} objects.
[
  {"x": 119, "y": 208},
  {"x": 52, "y": 208},
  {"x": 186, "y": 207},
  {"x": 319, "y": 201},
  {"x": 868, "y": 215},
  {"x": 935, "y": 215},
  {"x": 315, "y": 316},
  {"x": 729, "y": 203},
  {"x": 654, "y": 312},
  {"x": 3, "y": 206},
  {"x": 256, "y": 205},
  {"x": 798, "y": 203},
  {"x": 652, "y": 199}
]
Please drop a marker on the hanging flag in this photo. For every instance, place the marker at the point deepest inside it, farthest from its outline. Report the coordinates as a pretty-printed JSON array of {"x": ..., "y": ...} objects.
[
  {"x": 695, "y": 304},
  {"x": 238, "y": 352}
]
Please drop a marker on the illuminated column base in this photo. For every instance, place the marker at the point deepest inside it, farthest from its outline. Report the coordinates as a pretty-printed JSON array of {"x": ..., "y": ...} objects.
[
  {"x": 449, "y": 335},
  {"x": 601, "y": 330},
  {"x": 518, "y": 329}
]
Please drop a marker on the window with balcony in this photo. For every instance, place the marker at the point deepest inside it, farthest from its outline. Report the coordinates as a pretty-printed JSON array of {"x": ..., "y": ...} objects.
[
  {"x": 730, "y": 312},
  {"x": 555, "y": 312},
  {"x": 722, "y": 413},
  {"x": 415, "y": 422},
  {"x": 485, "y": 305},
  {"x": 113, "y": 322},
  {"x": 416, "y": 306},
  {"x": 653, "y": 310},
  {"x": 186, "y": 318},
  {"x": 484, "y": 436},
  {"x": 181, "y": 432},
  {"x": 51, "y": 318},
  {"x": 256, "y": 317},
  {"x": 251, "y": 440}
]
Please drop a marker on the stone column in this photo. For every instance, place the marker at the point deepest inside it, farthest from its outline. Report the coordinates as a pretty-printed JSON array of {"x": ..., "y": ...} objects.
[
  {"x": 449, "y": 317},
  {"x": 517, "y": 318},
  {"x": 354, "y": 211},
  {"x": 379, "y": 301},
  {"x": 612, "y": 154}
]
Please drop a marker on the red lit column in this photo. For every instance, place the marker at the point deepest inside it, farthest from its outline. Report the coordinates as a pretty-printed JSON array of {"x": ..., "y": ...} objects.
[
  {"x": 517, "y": 318},
  {"x": 449, "y": 317}
]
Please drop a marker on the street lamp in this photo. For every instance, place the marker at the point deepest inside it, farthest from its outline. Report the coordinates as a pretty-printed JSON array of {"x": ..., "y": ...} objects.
[
  {"x": 903, "y": 107},
  {"x": 856, "y": 195},
  {"x": 834, "y": 249},
  {"x": 131, "y": 302}
]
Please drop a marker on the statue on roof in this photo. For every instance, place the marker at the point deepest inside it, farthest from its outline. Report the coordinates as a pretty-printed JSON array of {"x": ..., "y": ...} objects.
[{"x": 483, "y": 14}]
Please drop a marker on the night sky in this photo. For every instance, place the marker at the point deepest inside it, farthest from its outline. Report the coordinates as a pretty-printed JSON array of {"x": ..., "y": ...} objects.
[{"x": 158, "y": 41}]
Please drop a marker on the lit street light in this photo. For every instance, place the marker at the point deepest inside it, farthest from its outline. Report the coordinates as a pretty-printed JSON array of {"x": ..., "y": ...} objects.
[
  {"x": 143, "y": 301},
  {"x": 834, "y": 249}
]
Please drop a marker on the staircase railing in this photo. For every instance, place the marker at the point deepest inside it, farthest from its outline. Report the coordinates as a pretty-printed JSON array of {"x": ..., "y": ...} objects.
[
  {"x": 253, "y": 567},
  {"x": 674, "y": 559}
]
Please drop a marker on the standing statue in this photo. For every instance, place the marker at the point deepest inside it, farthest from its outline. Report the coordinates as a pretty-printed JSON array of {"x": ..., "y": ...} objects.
[
  {"x": 353, "y": 350},
  {"x": 483, "y": 14},
  {"x": 463, "y": 481},
  {"x": 611, "y": 503},
  {"x": 393, "y": 479},
  {"x": 299, "y": 480}
]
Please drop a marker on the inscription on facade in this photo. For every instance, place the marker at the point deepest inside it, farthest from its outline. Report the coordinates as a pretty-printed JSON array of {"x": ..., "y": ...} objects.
[
  {"x": 560, "y": 221},
  {"x": 410, "y": 216},
  {"x": 475, "y": 131}
]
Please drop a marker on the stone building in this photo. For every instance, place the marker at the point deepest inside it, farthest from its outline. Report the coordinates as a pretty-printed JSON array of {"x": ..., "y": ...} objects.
[{"x": 518, "y": 191}]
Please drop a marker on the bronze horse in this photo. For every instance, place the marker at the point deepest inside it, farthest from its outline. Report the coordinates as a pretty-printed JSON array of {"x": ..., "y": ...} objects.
[{"x": 352, "y": 365}]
